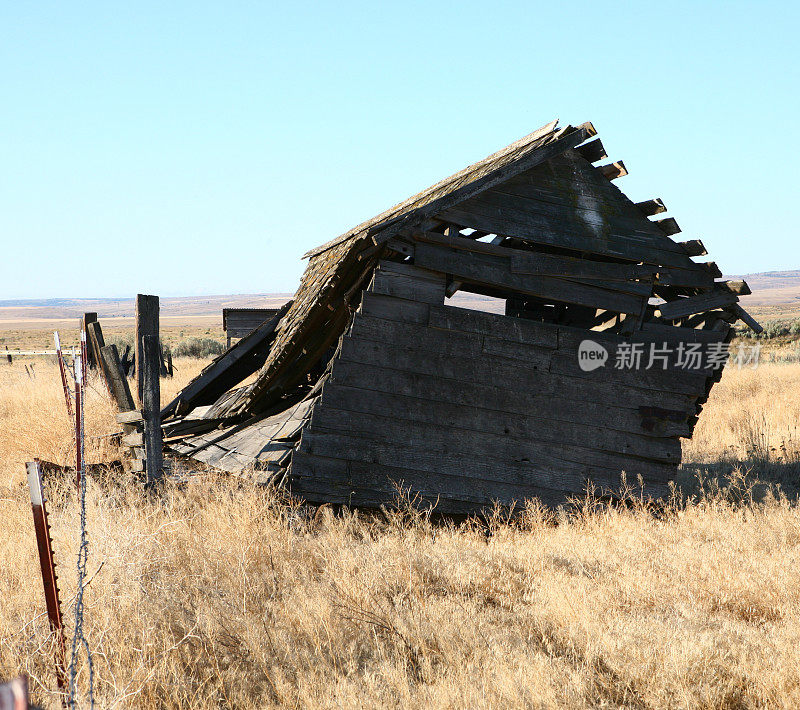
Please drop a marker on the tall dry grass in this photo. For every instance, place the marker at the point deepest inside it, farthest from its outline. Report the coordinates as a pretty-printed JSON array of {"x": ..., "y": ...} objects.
[{"x": 221, "y": 594}]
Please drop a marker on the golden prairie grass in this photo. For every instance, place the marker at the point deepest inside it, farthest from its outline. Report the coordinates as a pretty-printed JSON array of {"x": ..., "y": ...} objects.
[{"x": 221, "y": 594}]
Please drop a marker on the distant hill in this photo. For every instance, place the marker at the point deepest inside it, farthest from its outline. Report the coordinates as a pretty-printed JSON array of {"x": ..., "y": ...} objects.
[
  {"x": 773, "y": 288},
  {"x": 775, "y": 294}
]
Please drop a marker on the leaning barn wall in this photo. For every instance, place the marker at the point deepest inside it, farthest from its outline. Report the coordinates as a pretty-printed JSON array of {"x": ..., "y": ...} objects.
[{"x": 467, "y": 407}]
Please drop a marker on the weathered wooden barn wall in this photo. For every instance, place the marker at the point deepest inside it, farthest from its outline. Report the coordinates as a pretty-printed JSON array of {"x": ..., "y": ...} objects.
[
  {"x": 369, "y": 379},
  {"x": 469, "y": 407}
]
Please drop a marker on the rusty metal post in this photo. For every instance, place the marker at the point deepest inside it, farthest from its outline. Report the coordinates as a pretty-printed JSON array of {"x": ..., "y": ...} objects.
[
  {"x": 63, "y": 369},
  {"x": 44, "y": 543}
]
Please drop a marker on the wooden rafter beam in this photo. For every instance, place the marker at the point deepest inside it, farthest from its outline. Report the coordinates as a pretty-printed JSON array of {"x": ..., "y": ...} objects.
[
  {"x": 612, "y": 171},
  {"x": 651, "y": 207}
]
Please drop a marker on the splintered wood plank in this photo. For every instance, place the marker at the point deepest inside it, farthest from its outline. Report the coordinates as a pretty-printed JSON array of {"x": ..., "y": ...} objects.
[
  {"x": 740, "y": 288},
  {"x": 118, "y": 383},
  {"x": 695, "y": 304},
  {"x": 491, "y": 271}
]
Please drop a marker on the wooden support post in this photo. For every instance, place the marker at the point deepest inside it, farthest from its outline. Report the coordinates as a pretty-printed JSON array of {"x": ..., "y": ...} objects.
[
  {"x": 149, "y": 366},
  {"x": 96, "y": 342},
  {"x": 115, "y": 378},
  {"x": 86, "y": 321},
  {"x": 8, "y": 355},
  {"x": 146, "y": 324}
]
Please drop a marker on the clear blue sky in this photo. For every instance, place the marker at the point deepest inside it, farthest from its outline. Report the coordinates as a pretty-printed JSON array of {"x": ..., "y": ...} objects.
[{"x": 201, "y": 148}]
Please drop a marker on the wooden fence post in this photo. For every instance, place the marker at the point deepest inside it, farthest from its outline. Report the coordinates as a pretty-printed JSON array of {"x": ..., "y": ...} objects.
[
  {"x": 150, "y": 368},
  {"x": 115, "y": 378},
  {"x": 96, "y": 341},
  {"x": 86, "y": 321},
  {"x": 146, "y": 324}
]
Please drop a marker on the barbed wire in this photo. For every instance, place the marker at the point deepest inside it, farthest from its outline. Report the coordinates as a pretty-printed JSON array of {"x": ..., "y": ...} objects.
[{"x": 79, "y": 641}]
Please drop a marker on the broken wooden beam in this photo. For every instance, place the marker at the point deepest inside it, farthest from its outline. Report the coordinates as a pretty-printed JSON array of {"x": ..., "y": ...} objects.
[
  {"x": 668, "y": 225},
  {"x": 740, "y": 288},
  {"x": 592, "y": 151},
  {"x": 694, "y": 304},
  {"x": 693, "y": 247},
  {"x": 115, "y": 377},
  {"x": 612, "y": 171},
  {"x": 651, "y": 207},
  {"x": 747, "y": 318},
  {"x": 229, "y": 369}
]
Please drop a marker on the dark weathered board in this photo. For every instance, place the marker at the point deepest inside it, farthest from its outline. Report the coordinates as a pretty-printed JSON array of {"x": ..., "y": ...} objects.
[
  {"x": 496, "y": 271},
  {"x": 238, "y": 322}
]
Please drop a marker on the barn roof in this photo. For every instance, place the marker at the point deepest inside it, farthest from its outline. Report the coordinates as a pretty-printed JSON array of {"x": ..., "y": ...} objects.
[
  {"x": 340, "y": 268},
  {"x": 343, "y": 263}
]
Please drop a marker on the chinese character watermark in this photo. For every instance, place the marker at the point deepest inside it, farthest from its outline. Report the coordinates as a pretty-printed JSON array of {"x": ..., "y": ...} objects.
[{"x": 664, "y": 356}]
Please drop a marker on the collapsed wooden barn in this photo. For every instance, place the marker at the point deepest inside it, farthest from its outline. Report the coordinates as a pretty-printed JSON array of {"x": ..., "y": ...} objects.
[{"x": 370, "y": 377}]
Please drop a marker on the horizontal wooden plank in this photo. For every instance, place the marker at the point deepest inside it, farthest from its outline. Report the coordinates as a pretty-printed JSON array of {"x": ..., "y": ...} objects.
[
  {"x": 409, "y": 287},
  {"x": 134, "y": 416},
  {"x": 513, "y": 373},
  {"x": 576, "y": 406},
  {"x": 414, "y": 337},
  {"x": 493, "y": 271},
  {"x": 695, "y": 304},
  {"x": 668, "y": 225},
  {"x": 674, "y": 335},
  {"x": 133, "y": 439},
  {"x": 556, "y": 456},
  {"x": 461, "y": 477},
  {"x": 393, "y": 308},
  {"x": 319, "y": 479},
  {"x": 591, "y": 433},
  {"x": 567, "y": 267},
  {"x": 498, "y": 326},
  {"x": 473, "y": 214}
]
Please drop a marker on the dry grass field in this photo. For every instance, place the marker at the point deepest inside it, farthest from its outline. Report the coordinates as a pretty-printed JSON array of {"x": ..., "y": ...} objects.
[{"x": 220, "y": 594}]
